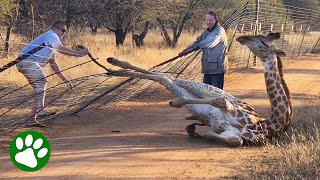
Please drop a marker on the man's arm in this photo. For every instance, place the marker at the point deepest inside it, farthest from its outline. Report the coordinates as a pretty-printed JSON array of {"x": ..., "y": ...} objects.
[
  {"x": 194, "y": 44},
  {"x": 56, "y": 69},
  {"x": 213, "y": 39},
  {"x": 64, "y": 50},
  {"x": 191, "y": 48}
]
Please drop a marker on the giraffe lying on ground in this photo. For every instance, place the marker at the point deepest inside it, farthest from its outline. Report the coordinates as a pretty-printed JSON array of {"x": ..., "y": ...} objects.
[{"x": 231, "y": 120}]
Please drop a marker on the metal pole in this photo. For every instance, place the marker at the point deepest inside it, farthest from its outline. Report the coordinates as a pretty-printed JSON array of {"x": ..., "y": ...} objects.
[
  {"x": 314, "y": 47},
  {"x": 304, "y": 34},
  {"x": 256, "y": 28},
  {"x": 284, "y": 28},
  {"x": 255, "y": 31}
]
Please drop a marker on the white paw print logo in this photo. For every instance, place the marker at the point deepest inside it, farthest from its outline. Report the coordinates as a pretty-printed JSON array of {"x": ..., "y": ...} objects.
[{"x": 30, "y": 151}]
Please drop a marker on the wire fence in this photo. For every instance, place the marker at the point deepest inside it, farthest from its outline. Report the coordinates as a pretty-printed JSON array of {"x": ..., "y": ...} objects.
[
  {"x": 300, "y": 34},
  {"x": 299, "y": 28}
]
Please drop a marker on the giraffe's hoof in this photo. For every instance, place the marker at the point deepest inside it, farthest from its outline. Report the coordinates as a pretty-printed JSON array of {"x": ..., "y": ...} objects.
[
  {"x": 234, "y": 141},
  {"x": 172, "y": 104},
  {"x": 176, "y": 103},
  {"x": 191, "y": 131}
]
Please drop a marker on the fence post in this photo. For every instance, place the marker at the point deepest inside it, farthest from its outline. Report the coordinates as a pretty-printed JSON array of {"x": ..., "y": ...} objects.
[
  {"x": 304, "y": 34},
  {"x": 256, "y": 28},
  {"x": 255, "y": 32},
  {"x": 314, "y": 47},
  {"x": 284, "y": 28}
]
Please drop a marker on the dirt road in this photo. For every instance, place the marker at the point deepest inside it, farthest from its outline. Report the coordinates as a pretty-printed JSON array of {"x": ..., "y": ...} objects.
[{"x": 152, "y": 143}]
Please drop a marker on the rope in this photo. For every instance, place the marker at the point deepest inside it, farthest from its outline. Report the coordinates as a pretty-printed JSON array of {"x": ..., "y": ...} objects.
[
  {"x": 118, "y": 86},
  {"x": 29, "y": 53},
  {"x": 44, "y": 78}
]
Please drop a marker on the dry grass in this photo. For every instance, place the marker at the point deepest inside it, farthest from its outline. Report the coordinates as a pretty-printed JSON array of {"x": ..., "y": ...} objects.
[
  {"x": 102, "y": 46},
  {"x": 296, "y": 156}
]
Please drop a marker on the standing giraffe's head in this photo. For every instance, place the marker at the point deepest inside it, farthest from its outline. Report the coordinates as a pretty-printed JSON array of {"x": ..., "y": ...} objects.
[{"x": 261, "y": 45}]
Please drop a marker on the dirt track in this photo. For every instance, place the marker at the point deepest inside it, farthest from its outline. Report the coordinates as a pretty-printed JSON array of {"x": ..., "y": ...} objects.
[{"x": 152, "y": 143}]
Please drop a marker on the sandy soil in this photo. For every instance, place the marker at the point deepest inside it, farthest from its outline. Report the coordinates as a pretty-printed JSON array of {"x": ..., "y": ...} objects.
[{"x": 150, "y": 141}]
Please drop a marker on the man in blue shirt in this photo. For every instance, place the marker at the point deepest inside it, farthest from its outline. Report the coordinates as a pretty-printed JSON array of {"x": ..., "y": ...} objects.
[{"x": 32, "y": 67}]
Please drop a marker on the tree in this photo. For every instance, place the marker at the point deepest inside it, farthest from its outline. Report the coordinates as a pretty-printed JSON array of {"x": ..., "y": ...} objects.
[
  {"x": 173, "y": 15},
  {"x": 139, "y": 38},
  {"x": 6, "y": 7},
  {"x": 32, "y": 17},
  {"x": 177, "y": 15},
  {"x": 118, "y": 16},
  {"x": 8, "y": 16},
  {"x": 35, "y": 17}
]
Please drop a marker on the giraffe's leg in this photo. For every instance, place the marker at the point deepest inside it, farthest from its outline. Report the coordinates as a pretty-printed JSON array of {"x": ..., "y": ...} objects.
[
  {"x": 126, "y": 73},
  {"x": 126, "y": 65},
  {"x": 192, "y": 128},
  {"x": 216, "y": 102},
  {"x": 203, "y": 90},
  {"x": 157, "y": 77},
  {"x": 199, "y": 89},
  {"x": 227, "y": 136}
]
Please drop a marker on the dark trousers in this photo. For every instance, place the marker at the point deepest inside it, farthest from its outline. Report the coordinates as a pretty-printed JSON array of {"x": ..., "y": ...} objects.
[{"x": 216, "y": 80}]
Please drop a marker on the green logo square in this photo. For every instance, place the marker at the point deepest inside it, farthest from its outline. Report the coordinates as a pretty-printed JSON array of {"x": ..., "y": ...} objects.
[{"x": 30, "y": 151}]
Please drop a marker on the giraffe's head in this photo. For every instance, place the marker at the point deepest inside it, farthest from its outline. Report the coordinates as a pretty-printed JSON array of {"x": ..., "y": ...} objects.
[{"x": 261, "y": 45}]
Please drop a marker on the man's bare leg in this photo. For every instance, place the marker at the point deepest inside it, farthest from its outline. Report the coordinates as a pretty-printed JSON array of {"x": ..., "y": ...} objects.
[{"x": 38, "y": 106}]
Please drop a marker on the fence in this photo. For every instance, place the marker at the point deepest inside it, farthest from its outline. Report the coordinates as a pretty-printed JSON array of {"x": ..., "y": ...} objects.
[
  {"x": 300, "y": 34},
  {"x": 299, "y": 28}
]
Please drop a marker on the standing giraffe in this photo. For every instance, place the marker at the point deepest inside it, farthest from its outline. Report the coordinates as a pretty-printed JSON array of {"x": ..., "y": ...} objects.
[{"x": 231, "y": 120}]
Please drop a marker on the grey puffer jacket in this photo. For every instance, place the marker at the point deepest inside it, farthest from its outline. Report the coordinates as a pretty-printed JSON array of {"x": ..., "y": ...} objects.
[{"x": 214, "y": 45}]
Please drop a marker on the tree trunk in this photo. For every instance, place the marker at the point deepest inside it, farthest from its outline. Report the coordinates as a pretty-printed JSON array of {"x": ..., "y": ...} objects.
[
  {"x": 94, "y": 28},
  {"x": 164, "y": 33},
  {"x": 120, "y": 36},
  {"x": 185, "y": 18},
  {"x": 177, "y": 28},
  {"x": 139, "y": 38},
  {"x": 7, "y": 44}
]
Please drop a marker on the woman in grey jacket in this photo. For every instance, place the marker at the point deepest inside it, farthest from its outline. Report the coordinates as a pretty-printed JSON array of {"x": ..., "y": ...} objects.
[{"x": 213, "y": 43}]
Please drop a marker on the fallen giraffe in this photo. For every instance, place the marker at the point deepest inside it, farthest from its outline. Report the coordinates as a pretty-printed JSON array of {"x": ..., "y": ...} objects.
[{"x": 231, "y": 120}]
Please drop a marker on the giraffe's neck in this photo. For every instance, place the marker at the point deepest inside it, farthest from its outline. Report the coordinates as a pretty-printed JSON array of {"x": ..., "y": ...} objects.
[{"x": 278, "y": 96}]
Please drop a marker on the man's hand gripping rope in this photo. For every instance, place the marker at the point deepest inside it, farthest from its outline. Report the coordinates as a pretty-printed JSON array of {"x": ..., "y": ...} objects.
[
  {"x": 93, "y": 59},
  {"x": 109, "y": 71}
]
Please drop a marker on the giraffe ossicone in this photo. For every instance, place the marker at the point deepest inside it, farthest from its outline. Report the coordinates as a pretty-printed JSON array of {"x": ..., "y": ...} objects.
[{"x": 230, "y": 119}]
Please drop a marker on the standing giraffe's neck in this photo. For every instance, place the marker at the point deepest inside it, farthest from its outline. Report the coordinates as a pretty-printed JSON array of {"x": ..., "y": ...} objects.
[{"x": 279, "y": 96}]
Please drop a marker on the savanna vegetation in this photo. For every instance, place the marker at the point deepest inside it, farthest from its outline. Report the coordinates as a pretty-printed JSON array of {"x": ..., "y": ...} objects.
[
  {"x": 297, "y": 154},
  {"x": 30, "y": 18}
]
